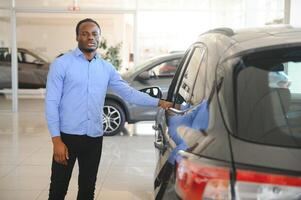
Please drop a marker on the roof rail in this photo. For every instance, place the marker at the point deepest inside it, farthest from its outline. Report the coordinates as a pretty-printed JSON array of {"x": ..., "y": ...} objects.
[{"x": 223, "y": 30}]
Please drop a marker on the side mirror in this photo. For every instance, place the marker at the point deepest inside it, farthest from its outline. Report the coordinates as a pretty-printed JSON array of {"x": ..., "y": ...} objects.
[
  {"x": 143, "y": 76},
  {"x": 153, "y": 92}
]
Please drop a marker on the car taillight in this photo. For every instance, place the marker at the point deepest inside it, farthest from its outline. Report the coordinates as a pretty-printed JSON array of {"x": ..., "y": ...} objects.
[
  {"x": 257, "y": 185},
  {"x": 195, "y": 181}
]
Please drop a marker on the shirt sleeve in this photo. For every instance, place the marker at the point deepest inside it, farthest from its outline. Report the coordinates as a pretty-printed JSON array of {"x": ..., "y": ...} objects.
[
  {"x": 54, "y": 89},
  {"x": 131, "y": 95}
]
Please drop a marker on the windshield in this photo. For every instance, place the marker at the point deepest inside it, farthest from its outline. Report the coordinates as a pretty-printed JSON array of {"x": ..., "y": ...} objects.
[
  {"x": 268, "y": 97},
  {"x": 138, "y": 67}
]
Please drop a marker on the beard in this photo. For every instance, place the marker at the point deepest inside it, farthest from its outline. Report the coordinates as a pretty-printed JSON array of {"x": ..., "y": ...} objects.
[{"x": 87, "y": 49}]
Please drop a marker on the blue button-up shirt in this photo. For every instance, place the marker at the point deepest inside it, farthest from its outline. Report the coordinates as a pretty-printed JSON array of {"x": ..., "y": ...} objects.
[{"x": 76, "y": 90}]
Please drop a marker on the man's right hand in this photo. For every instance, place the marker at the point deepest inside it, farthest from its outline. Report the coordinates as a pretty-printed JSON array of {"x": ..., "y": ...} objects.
[
  {"x": 60, "y": 151},
  {"x": 165, "y": 104}
]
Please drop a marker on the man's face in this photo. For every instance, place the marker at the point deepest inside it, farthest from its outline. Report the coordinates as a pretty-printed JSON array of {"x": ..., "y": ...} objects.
[{"x": 88, "y": 37}]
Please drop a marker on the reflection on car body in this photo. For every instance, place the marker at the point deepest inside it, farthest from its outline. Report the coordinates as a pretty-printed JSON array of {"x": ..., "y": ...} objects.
[{"x": 234, "y": 131}]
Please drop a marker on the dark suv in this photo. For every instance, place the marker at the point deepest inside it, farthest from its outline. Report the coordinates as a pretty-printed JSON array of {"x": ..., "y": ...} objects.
[
  {"x": 32, "y": 69},
  {"x": 235, "y": 129}
]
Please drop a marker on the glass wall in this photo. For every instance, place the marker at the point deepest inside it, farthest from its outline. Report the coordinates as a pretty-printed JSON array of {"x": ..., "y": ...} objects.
[
  {"x": 45, "y": 29},
  {"x": 78, "y": 4},
  {"x": 44, "y": 36},
  {"x": 160, "y": 32},
  {"x": 168, "y": 25},
  {"x": 5, "y": 63},
  {"x": 174, "y": 4},
  {"x": 263, "y": 12},
  {"x": 5, "y": 4}
]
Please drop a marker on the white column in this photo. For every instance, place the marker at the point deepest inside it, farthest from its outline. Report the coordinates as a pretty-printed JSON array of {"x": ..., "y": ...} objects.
[
  {"x": 136, "y": 47},
  {"x": 14, "y": 67},
  {"x": 295, "y": 14},
  {"x": 287, "y": 11},
  {"x": 251, "y": 11}
]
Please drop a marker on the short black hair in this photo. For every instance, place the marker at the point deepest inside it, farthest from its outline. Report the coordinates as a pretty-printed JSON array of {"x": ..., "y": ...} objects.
[{"x": 83, "y": 21}]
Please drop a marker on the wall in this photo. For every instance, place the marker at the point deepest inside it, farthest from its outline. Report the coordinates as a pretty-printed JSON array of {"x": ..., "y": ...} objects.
[{"x": 53, "y": 34}]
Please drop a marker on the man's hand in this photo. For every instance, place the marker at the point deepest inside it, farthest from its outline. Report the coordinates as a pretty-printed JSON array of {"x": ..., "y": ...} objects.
[
  {"x": 60, "y": 151},
  {"x": 165, "y": 104}
]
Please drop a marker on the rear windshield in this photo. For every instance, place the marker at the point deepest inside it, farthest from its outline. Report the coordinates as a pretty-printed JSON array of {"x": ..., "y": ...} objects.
[{"x": 268, "y": 97}]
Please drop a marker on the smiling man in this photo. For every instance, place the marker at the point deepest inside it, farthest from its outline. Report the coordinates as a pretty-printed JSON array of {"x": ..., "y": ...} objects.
[{"x": 76, "y": 88}]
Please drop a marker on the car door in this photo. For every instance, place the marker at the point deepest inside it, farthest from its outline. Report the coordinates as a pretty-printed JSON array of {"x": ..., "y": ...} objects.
[{"x": 181, "y": 93}]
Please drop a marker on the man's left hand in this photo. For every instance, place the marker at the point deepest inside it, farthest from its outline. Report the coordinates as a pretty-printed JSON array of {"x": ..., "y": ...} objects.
[{"x": 165, "y": 104}]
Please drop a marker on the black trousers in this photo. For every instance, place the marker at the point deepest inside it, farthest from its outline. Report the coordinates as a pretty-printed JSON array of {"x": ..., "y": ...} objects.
[{"x": 87, "y": 151}]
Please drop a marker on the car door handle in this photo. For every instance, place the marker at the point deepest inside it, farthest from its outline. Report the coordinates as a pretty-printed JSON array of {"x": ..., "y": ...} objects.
[
  {"x": 176, "y": 111},
  {"x": 181, "y": 112},
  {"x": 159, "y": 145}
]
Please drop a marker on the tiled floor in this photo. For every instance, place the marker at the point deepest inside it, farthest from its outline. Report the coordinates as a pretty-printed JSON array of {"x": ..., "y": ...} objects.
[{"x": 125, "y": 172}]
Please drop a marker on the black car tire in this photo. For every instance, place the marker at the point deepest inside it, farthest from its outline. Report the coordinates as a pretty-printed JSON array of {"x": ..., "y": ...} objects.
[{"x": 113, "y": 118}]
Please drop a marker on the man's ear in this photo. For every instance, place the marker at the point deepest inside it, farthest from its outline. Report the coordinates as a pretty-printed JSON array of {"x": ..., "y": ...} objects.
[{"x": 76, "y": 38}]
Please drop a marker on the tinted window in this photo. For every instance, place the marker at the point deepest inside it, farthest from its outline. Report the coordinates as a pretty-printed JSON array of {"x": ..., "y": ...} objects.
[
  {"x": 269, "y": 97},
  {"x": 5, "y": 55}
]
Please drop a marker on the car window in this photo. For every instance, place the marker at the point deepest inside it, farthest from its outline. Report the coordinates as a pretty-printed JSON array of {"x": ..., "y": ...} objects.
[
  {"x": 186, "y": 84},
  {"x": 178, "y": 74},
  {"x": 167, "y": 68},
  {"x": 268, "y": 98},
  {"x": 20, "y": 57},
  {"x": 4, "y": 55},
  {"x": 195, "y": 114},
  {"x": 28, "y": 58}
]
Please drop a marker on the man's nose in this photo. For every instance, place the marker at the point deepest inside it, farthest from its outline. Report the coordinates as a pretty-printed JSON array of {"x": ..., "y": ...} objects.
[{"x": 90, "y": 36}]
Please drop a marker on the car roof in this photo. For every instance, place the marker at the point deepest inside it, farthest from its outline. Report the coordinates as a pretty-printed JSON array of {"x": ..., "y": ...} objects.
[
  {"x": 242, "y": 40},
  {"x": 225, "y": 43}
]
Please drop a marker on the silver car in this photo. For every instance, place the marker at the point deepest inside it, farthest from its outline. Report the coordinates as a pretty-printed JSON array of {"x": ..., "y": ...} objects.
[
  {"x": 32, "y": 69},
  {"x": 157, "y": 71}
]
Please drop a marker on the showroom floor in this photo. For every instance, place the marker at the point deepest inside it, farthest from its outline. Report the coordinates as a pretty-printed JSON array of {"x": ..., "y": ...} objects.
[{"x": 125, "y": 172}]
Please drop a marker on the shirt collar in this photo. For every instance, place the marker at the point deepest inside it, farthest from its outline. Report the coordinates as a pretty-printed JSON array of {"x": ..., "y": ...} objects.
[{"x": 78, "y": 52}]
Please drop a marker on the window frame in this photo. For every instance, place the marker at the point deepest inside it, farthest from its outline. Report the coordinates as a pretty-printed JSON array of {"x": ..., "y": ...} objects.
[{"x": 183, "y": 69}]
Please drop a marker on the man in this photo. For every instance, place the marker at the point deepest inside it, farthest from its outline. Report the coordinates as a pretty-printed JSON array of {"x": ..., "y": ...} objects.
[{"x": 76, "y": 88}]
